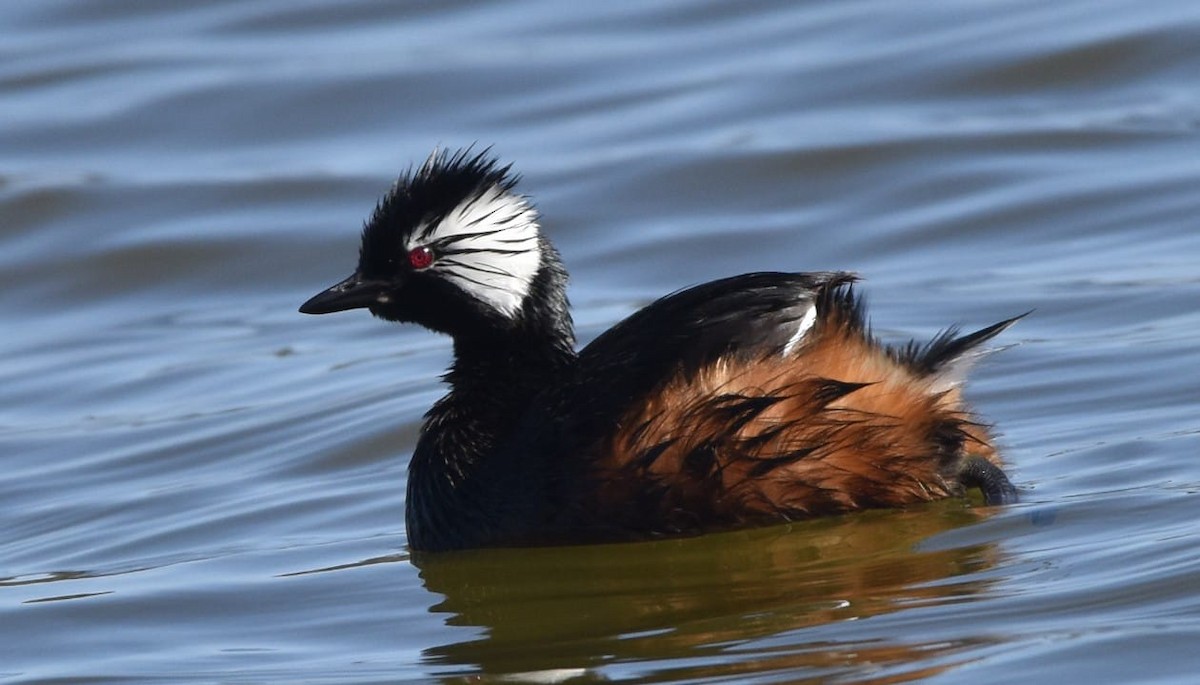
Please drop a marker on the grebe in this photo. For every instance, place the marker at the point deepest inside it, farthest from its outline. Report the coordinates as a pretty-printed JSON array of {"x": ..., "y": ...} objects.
[{"x": 745, "y": 401}]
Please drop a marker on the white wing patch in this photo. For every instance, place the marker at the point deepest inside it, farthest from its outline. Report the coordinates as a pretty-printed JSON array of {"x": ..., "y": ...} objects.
[
  {"x": 806, "y": 324},
  {"x": 488, "y": 246}
]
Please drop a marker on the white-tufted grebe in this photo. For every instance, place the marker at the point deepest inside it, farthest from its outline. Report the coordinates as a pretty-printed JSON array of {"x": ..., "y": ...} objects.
[{"x": 745, "y": 401}]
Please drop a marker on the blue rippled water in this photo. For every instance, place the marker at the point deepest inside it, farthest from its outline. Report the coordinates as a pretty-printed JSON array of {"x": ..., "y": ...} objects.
[{"x": 201, "y": 485}]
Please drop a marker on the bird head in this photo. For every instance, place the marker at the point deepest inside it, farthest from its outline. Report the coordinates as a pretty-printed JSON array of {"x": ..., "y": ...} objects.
[{"x": 452, "y": 247}]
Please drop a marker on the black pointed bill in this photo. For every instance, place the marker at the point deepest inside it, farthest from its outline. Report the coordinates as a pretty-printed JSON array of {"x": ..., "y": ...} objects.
[{"x": 352, "y": 293}]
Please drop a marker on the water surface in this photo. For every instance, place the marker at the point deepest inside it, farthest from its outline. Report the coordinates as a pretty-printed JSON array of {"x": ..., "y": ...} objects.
[{"x": 201, "y": 485}]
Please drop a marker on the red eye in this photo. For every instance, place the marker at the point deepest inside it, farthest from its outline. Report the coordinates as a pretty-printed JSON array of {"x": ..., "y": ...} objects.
[{"x": 420, "y": 257}]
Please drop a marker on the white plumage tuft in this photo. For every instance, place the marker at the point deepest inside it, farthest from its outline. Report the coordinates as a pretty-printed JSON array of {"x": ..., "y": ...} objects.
[
  {"x": 802, "y": 328},
  {"x": 488, "y": 246}
]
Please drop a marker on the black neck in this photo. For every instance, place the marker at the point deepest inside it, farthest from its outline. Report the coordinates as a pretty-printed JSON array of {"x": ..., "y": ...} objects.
[{"x": 453, "y": 489}]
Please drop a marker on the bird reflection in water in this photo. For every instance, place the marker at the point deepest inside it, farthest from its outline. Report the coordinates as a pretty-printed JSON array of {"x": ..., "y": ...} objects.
[{"x": 712, "y": 606}]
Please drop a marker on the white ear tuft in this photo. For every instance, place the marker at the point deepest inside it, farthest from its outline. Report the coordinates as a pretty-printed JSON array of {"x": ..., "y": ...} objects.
[{"x": 488, "y": 246}]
